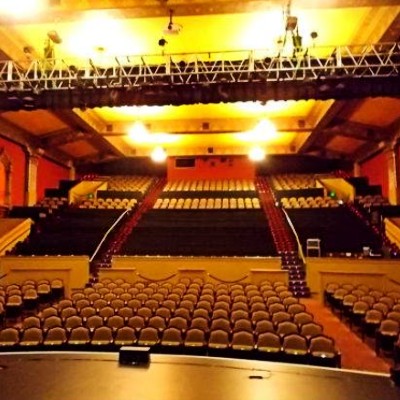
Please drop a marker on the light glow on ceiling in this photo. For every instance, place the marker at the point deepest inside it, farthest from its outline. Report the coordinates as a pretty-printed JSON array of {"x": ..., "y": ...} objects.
[
  {"x": 264, "y": 131},
  {"x": 158, "y": 155},
  {"x": 21, "y": 8},
  {"x": 141, "y": 111},
  {"x": 256, "y": 154},
  {"x": 100, "y": 37},
  {"x": 256, "y": 107},
  {"x": 139, "y": 134}
]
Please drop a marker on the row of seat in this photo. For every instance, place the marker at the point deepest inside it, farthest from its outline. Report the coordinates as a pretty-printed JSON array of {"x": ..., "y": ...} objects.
[
  {"x": 371, "y": 201},
  {"x": 293, "y": 181},
  {"x": 113, "y": 204},
  {"x": 208, "y": 184},
  {"x": 225, "y": 203},
  {"x": 259, "y": 322},
  {"x": 309, "y": 202},
  {"x": 53, "y": 203},
  {"x": 376, "y": 313},
  {"x": 15, "y": 298},
  {"x": 128, "y": 182},
  {"x": 319, "y": 350}
]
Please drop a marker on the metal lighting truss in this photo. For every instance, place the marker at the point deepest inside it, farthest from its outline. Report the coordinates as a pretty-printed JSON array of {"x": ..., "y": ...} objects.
[{"x": 362, "y": 61}]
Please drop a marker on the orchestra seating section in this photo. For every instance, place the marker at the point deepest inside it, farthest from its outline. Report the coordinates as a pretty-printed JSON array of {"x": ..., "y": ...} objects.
[
  {"x": 73, "y": 231},
  {"x": 374, "y": 313},
  {"x": 241, "y": 320}
]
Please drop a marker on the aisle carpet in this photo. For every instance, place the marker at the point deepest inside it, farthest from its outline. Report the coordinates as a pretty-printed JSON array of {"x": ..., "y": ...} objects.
[{"x": 356, "y": 354}]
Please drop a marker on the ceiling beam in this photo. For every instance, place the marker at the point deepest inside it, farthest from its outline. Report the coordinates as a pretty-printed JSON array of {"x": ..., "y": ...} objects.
[
  {"x": 357, "y": 130},
  {"x": 378, "y": 25},
  {"x": 73, "y": 10},
  {"x": 64, "y": 136},
  {"x": 367, "y": 150},
  {"x": 325, "y": 115},
  {"x": 392, "y": 33},
  {"x": 17, "y": 135},
  {"x": 12, "y": 47},
  {"x": 30, "y": 143},
  {"x": 210, "y": 125},
  {"x": 88, "y": 124}
]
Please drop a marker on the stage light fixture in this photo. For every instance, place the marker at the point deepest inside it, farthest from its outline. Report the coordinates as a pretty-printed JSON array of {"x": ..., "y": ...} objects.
[
  {"x": 54, "y": 36},
  {"x": 162, "y": 42}
]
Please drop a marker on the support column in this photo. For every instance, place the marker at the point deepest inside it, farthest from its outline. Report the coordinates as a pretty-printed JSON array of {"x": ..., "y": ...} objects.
[
  {"x": 7, "y": 194},
  {"x": 72, "y": 171},
  {"x": 356, "y": 169},
  {"x": 31, "y": 178},
  {"x": 393, "y": 175},
  {"x": 6, "y": 161}
]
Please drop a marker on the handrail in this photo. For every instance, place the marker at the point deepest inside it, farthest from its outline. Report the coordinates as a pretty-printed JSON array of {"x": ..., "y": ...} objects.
[
  {"x": 299, "y": 247},
  {"x": 106, "y": 235}
]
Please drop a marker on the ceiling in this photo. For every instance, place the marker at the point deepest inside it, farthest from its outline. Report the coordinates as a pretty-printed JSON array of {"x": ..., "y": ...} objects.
[{"x": 100, "y": 30}]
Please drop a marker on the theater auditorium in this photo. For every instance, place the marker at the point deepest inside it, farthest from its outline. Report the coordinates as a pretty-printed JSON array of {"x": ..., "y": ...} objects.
[{"x": 200, "y": 198}]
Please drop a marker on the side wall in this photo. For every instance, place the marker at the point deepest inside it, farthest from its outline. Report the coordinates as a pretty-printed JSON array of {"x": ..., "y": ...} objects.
[
  {"x": 378, "y": 274},
  {"x": 213, "y": 168},
  {"x": 17, "y": 158},
  {"x": 74, "y": 271},
  {"x": 376, "y": 169},
  {"x": 211, "y": 269},
  {"x": 49, "y": 175}
]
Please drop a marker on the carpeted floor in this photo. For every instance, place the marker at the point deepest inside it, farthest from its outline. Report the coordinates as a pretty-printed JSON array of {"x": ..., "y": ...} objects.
[{"x": 356, "y": 354}]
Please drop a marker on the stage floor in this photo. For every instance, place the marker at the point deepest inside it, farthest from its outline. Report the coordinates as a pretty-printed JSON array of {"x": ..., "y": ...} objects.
[{"x": 74, "y": 376}]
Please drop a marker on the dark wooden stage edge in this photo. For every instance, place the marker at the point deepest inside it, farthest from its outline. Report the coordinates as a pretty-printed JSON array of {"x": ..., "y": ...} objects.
[{"x": 75, "y": 376}]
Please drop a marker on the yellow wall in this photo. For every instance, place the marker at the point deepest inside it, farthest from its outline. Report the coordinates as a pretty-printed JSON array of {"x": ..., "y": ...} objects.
[
  {"x": 12, "y": 231},
  {"x": 74, "y": 271},
  {"x": 379, "y": 274},
  {"x": 392, "y": 229},
  {"x": 209, "y": 268},
  {"x": 80, "y": 191},
  {"x": 342, "y": 188}
]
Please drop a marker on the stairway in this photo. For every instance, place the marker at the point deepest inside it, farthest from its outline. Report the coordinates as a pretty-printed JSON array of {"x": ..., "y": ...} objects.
[
  {"x": 113, "y": 246},
  {"x": 284, "y": 239}
]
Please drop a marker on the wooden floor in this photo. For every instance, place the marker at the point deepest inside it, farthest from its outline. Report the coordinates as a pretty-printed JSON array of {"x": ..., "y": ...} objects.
[{"x": 356, "y": 354}]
